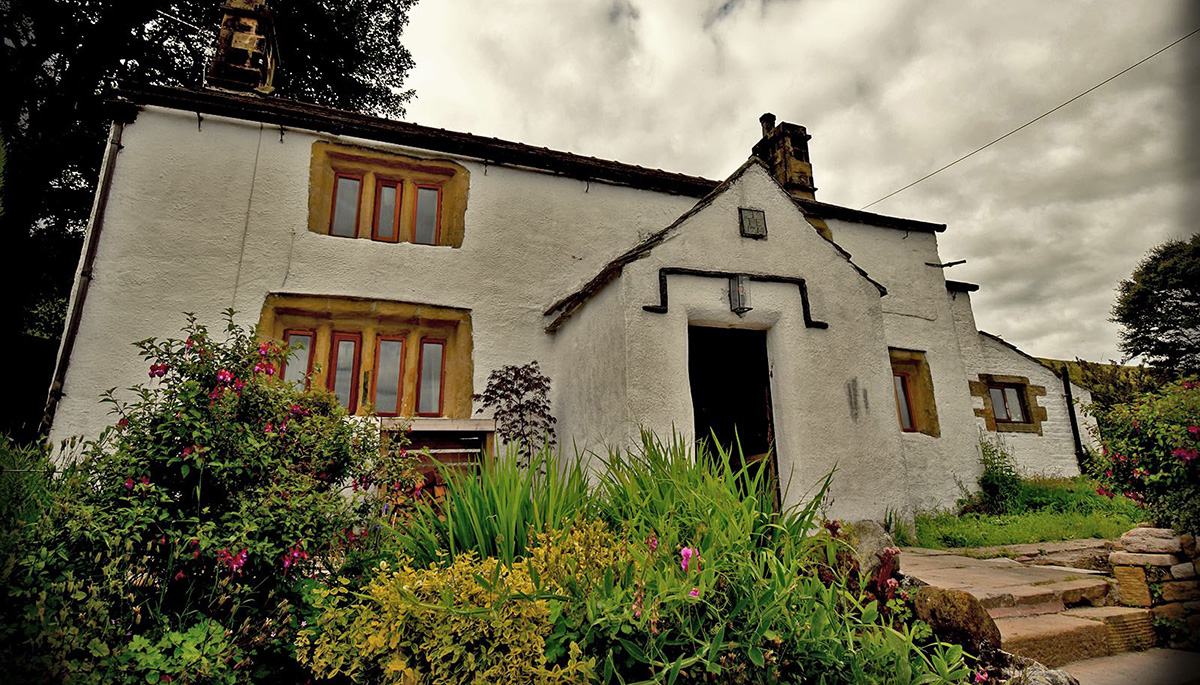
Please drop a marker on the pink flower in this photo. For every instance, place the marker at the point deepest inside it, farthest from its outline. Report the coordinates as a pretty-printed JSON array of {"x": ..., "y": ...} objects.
[
  {"x": 1195, "y": 431},
  {"x": 224, "y": 376},
  {"x": 270, "y": 427},
  {"x": 128, "y": 483},
  {"x": 263, "y": 349},
  {"x": 695, "y": 592},
  {"x": 179, "y": 576},
  {"x": 158, "y": 370},
  {"x": 893, "y": 584},
  {"x": 652, "y": 543},
  {"x": 1186, "y": 455},
  {"x": 981, "y": 676},
  {"x": 145, "y": 480},
  {"x": 685, "y": 556}
]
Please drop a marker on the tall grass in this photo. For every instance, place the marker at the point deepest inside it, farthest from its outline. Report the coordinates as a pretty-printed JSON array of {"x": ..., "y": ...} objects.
[
  {"x": 662, "y": 489},
  {"x": 657, "y": 489},
  {"x": 494, "y": 512}
]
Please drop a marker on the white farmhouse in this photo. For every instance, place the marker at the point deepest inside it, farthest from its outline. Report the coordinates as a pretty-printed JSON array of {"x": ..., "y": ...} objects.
[{"x": 410, "y": 262}]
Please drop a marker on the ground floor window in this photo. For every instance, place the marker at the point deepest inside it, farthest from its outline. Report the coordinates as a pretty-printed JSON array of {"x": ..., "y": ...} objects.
[
  {"x": 912, "y": 383},
  {"x": 395, "y": 358},
  {"x": 1010, "y": 403}
]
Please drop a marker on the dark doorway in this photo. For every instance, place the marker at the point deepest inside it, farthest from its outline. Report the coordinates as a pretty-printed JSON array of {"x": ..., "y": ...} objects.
[{"x": 731, "y": 394}]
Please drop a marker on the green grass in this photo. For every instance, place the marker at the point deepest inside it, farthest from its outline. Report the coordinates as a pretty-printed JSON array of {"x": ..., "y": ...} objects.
[{"x": 1048, "y": 510}]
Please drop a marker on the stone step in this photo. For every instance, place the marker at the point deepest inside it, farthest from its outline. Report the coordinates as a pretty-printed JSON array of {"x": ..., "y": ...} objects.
[
  {"x": 1054, "y": 639},
  {"x": 1129, "y": 629},
  {"x": 1090, "y": 590},
  {"x": 1051, "y": 607}
]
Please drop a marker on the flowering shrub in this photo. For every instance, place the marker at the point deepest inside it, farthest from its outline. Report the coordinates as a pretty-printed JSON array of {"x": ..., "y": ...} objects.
[
  {"x": 1151, "y": 453},
  {"x": 196, "y": 520}
]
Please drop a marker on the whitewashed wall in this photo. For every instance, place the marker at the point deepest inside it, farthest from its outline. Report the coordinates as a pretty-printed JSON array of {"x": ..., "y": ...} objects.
[
  {"x": 811, "y": 369},
  {"x": 917, "y": 316},
  {"x": 204, "y": 218}
]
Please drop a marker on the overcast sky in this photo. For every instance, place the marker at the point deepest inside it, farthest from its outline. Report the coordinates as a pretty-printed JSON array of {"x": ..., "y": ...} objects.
[{"x": 1048, "y": 220}]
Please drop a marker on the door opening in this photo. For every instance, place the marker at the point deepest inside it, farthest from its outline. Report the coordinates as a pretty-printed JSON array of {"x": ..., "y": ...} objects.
[{"x": 731, "y": 397}]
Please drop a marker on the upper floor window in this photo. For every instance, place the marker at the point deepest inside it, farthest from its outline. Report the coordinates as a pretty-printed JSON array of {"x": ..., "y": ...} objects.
[
  {"x": 360, "y": 193},
  {"x": 399, "y": 359},
  {"x": 904, "y": 406}
]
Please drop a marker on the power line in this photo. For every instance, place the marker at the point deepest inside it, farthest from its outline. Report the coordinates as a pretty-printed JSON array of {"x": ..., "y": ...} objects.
[{"x": 1035, "y": 119}]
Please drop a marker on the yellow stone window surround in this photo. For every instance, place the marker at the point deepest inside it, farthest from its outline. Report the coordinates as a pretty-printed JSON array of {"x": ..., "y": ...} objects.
[
  {"x": 376, "y": 168},
  {"x": 373, "y": 319},
  {"x": 915, "y": 368}
]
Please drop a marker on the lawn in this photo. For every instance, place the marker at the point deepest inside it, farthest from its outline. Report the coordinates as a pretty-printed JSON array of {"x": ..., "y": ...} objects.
[{"x": 1045, "y": 510}]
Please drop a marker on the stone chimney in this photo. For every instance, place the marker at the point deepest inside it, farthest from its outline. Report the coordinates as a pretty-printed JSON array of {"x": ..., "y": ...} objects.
[
  {"x": 784, "y": 148},
  {"x": 246, "y": 48}
]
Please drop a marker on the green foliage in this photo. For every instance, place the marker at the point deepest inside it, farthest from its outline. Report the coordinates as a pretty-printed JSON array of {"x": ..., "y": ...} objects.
[
  {"x": 519, "y": 399},
  {"x": 182, "y": 537},
  {"x": 494, "y": 512},
  {"x": 999, "y": 484},
  {"x": 684, "y": 572},
  {"x": 946, "y": 530},
  {"x": 1043, "y": 510},
  {"x": 1151, "y": 453},
  {"x": 471, "y": 621},
  {"x": 1158, "y": 308}
]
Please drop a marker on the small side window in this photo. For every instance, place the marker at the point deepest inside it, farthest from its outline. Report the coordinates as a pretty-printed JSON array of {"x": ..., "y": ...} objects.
[
  {"x": 753, "y": 223},
  {"x": 904, "y": 402},
  {"x": 1008, "y": 403},
  {"x": 347, "y": 200}
]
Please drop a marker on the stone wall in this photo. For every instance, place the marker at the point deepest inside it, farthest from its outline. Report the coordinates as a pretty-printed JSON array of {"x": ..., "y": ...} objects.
[{"x": 1158, "y": 569}]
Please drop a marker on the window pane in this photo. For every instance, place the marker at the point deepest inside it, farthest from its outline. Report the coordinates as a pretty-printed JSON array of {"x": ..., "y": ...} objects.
[
  {"x": 387, "y": 377},
  {"x": 385, "y": 226},
  {"x": 343, "y": 378},
  {"x": 297, "y": 363},
  {"x": 998, "y": 409},
  {"x": 906, "y": 421},
  {"x": 1014, "y": 405},
  {"x": 431, "y": 378},
  {"x": 345, "y": 207},
  {"x": 425, "y": 230}
]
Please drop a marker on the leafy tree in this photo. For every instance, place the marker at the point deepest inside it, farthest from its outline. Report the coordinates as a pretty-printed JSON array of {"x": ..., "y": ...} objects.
[
  {"x": 60, "y": 58},
  {"x": 1158, "y": 308},
  {"x": 519, "y": 396}
]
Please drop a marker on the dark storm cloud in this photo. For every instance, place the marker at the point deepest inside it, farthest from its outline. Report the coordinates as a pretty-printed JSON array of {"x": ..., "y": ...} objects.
[{"x": 1049, "y": 219}]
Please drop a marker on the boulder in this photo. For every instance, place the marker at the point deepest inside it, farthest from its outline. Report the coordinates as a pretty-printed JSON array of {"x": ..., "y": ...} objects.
[
  {"x": 1029, "y": 672},
  {"x": 1184, "y": 571},
  {"x": 1152, "y": 541},
  {"x": 869, "y": 539},
  {"x": 957, "y": 617},
  {"x": 1188, "y": 542}
]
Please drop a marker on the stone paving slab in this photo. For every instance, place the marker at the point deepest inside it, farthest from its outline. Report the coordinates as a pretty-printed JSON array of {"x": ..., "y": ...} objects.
[
  {"x": 1001, "y": 582},
  {"x": 1054, "y": 639},
  {"x": 1152, "y": 667}
]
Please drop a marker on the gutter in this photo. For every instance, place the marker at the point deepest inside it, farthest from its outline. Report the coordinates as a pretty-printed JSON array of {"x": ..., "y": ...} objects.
[
  {"x": 87, "y": 260},
  {"x": 1080, "y": 455}
]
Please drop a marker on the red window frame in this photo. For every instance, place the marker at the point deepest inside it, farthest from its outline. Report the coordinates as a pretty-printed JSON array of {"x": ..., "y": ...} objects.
[
  {"x": 312, "y": 349},
  {"x": 380, "y": 184},
  {"x": 437, "y": 214},
  {"x": 1020, "y": 390},
  {"x": 358, "y": 207},
  {"x": 912, "y": 415},
  {"x": 441, "y": 379},
  {"x": 379, "y": 339},
  {"x": 339, "y": 336}
]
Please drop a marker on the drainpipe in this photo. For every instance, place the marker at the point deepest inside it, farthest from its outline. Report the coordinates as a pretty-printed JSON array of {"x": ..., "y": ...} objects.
[
  {"x": 1066, "y": 381},
  {"x": 86, "y": 260}
]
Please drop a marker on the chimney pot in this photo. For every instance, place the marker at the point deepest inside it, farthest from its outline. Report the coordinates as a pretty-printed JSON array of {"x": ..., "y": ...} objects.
[
  {"x": 246, "y": 51},
  {"x": 768, "y": 123}
]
